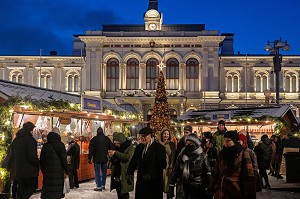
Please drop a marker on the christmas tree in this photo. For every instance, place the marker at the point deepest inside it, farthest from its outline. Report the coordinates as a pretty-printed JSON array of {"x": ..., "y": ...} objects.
[{"x": 161, "y": 115}]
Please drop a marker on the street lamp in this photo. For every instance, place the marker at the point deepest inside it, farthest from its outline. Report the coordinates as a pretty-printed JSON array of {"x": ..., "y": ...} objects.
[{"x": 274, "y": 47}]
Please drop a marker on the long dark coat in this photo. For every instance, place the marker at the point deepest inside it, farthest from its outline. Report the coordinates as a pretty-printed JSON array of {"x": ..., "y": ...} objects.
[
  {"x": 74, "y": 153},
  {"x": 149, "y": 184},
  {"x": 24, "y": 150},
  {"x": 124, "y": 159},
  {"x": 53, "y": 162},
  {"x": 263, "y": 152}
]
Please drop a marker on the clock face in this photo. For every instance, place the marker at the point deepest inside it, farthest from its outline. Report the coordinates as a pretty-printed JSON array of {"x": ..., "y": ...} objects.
[{"x": 152, "y": 26}]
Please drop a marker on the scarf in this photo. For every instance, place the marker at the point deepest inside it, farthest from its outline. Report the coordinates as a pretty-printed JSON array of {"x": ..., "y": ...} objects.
[
  {"x": 230, "y": 154},
  {"x": 185, "y": 158}
]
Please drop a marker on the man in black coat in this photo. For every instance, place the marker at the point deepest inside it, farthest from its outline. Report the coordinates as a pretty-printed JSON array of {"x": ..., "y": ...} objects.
[
  {"x": 98, "y": 151},
  {"x": 26, "y": 162},
  {"x": 149, "y": 159}
]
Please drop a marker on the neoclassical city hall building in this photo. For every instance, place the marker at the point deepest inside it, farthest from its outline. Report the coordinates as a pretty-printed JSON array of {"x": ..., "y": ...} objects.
[{"x": 120, "y": 64}]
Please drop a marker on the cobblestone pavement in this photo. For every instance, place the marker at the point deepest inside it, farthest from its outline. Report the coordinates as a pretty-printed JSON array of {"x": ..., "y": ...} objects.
[{"x": 86, "y": 192}]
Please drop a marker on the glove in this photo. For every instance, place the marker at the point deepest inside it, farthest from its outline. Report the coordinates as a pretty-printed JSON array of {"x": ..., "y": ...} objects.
[
  {"x": 90, "y": 161},
  {"x": 147, "y": 177},
  {"x": 171, "y": 192},
  {"x": 129, "y": 179}
]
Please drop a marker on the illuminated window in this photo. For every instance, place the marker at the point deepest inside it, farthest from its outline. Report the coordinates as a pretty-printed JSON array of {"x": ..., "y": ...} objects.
[
  {"x": 261, "y": 82},
  {"x": 132, "y": 74},
  {"x": 291, "y": 82},
  {"x": 73, "y": 81},
  {"x": 192, "y": 75},
  {"x": 16, "y": 76},
  {"x": 232, "y": 83},
  {"x": 112, "y": 75},
  {"x": 172, "y": 74},
  {"x": 151, "y": 74}
]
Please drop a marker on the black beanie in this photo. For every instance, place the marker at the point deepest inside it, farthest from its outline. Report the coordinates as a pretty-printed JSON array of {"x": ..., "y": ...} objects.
[
  {"x": 233, "y": 135},
  {"x": 221, "y": 122}
]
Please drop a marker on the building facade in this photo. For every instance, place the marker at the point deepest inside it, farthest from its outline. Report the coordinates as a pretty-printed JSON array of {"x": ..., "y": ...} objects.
[{"x": 120, "y": 64}]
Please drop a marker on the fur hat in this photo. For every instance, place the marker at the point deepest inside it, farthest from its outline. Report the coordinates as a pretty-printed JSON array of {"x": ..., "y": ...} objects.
[
  {"x": 29, "y": 126},
  {"x": 193, "y": 138},
  {"x": 243, "y": 138},
  {"x": 233, "y": 135},
  {"x": 188, "y": 128},
  {"x": 221, "y": 122},
  {"x": 146, "y": 131}
]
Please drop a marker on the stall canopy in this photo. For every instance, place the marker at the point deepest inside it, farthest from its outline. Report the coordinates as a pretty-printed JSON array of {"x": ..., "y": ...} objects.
[
  {"x": 10, "y": 89},
  {"x": 242, "y": 116}
]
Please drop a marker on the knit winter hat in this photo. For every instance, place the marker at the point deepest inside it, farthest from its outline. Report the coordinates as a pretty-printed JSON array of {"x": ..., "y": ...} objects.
[
  {"x": 233, "y": 135},
  {"x": 221, "y": 122},
  {"x": 243, "y": 138},
  {"x": 188, "y": 128},
  {"x": 120, "y": 137},
  {"x": 193, "y": 138}
]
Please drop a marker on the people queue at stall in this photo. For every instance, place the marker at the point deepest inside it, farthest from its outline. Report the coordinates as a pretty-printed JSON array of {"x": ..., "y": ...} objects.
[{"x": 217, "y": 165}]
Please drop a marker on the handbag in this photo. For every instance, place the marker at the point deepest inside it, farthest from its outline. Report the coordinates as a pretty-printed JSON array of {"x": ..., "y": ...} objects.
[
  {"x": 258, "y": 181},
  {"x": 66, "y": 185}
]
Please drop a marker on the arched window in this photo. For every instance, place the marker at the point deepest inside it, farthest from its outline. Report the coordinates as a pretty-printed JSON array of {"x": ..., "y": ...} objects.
[
  {"x": 70, "y": 83},
  {"x": 229, "y": 84},
  {"x": 192, "y": 75},
  {"x": 73, "y": 79},
  {"x": 16, "y": 76},
  {"x": 48, "y": 81},
  {"x": 235, "y": 83},
  {"x": 112, "y": 75},
  {"x": 261, "y": 82},
  {"x": 172, "y": 74},
  {"x": 151, "y": 74},
  {"x": 232, "y": 82},
  {"x": 20, "y": 78},
  {"x": 76, "y": 83},
  {"x": 291, "y": 80},
  {"x": 45, "y": 80},
  {"x": 132, "y": 74}
]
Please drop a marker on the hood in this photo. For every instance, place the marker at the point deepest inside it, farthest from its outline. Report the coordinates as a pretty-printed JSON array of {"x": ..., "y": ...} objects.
[
  {"x": 52, "y": 137},
  {"x": 266, "y": 141}
]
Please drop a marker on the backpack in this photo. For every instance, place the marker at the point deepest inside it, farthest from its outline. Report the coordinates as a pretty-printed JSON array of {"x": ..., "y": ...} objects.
[{"x": 8, "y": 159}]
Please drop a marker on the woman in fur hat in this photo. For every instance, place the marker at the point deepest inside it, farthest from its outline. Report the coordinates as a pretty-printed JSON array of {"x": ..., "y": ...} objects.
[{"x": 191, "y": 171}]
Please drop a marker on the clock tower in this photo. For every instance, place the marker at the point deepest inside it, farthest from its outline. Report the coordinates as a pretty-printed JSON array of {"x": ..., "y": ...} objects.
[{"x": 153, "y": 18}]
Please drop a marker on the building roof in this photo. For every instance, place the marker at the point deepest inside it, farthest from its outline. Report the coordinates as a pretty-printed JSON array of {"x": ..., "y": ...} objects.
[
  {"x": 253, "y": 112},
  {"x": 12, "y": 89}
]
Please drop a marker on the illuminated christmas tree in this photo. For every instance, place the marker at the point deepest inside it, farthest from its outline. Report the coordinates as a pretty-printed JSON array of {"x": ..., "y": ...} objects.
[{"x": 161, "y": 115}]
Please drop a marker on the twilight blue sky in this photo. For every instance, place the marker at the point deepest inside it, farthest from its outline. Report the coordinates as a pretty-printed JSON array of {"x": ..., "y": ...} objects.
[{"x": 26, "y": 26}]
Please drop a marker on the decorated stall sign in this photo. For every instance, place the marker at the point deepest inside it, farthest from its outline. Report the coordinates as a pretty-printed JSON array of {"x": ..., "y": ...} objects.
[
  {"x": 90, "y": 103},
  {"x": 221, "y": 116}
]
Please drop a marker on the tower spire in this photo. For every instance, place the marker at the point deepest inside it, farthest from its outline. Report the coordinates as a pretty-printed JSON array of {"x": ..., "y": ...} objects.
[{"x": 153, "y": 5}]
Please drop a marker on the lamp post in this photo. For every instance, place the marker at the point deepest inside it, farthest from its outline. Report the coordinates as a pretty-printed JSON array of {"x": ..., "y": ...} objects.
[{"x": 274, "y": 47}]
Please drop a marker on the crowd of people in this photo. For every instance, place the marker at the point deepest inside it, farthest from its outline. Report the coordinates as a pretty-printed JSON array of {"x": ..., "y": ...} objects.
[{"x": 221, "y": 165}]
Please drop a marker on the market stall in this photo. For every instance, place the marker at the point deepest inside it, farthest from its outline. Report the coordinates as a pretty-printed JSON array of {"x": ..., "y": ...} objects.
[
  {"x": 75, "y": 115},
  {"x": 256, "y": 120}
]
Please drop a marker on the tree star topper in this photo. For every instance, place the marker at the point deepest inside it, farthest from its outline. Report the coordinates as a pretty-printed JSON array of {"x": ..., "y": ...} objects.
[{"x": 161, "y": 65}]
